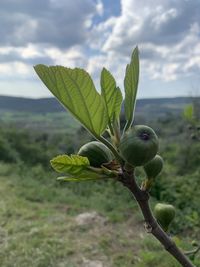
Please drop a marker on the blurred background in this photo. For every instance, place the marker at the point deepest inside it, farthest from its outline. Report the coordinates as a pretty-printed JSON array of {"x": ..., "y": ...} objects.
[{"x": 95, "y": 224}]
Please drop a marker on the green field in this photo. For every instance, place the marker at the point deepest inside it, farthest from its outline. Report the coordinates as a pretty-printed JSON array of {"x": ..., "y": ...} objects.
[{"x": 40, "y": 223}]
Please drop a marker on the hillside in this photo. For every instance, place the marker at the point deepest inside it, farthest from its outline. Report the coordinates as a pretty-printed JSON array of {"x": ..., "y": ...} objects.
[
  {"x": 42, "y": 115},
  {"x": 48, "y": 115},
  {"x": 43, "y": 105},
  {"x": 156, "y": 106},
  {"x": 42, "y": 221}
]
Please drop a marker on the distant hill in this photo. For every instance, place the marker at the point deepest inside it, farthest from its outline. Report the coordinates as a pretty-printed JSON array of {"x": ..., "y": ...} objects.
[
  {"x": 155, "y": 106},
  {"x": 161, "y": 107},
  {"x": 42, "y": 105},
  {"x": 47, "y": 114}
]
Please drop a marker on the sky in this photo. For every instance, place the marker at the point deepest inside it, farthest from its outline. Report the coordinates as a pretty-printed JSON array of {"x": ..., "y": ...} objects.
[{"x": 93, "y": 34}]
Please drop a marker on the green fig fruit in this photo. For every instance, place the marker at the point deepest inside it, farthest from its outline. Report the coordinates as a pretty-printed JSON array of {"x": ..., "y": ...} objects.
[
  {"x": 164, "y": 214},
  {"x": 96, "y": 152},
  {"x": 139, "y": 145},
  {"x": 153, "y": 167}
]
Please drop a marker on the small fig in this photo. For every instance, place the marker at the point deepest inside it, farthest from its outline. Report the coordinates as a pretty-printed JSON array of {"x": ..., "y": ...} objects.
[
  {"x": 164, "y": 214},
  {"x": 96, "y": 152},
  {"x": 153, "y": 167},
  {"x": 139, "y": 145}
]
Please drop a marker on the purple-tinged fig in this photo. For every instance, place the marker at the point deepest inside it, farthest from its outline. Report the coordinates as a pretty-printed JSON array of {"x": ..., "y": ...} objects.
[{"x": 139, "y": 145}]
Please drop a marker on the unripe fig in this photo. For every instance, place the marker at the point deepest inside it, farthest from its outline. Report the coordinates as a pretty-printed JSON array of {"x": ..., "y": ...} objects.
[
  {"x": 153, "y": 167},
  {"x": 96, "y": 152},
  {"x": 139, "y": 145},
  {"x": 164, "y": 214}
]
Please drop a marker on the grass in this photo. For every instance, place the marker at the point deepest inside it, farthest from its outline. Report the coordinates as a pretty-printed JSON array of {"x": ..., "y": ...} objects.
[{"x": 38, "y": 224}]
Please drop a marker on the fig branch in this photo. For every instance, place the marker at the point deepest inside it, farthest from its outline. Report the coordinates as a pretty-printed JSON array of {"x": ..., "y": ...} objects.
[
  {"x": 128, "y": 179},
  {"x": 137, "y": 146}
]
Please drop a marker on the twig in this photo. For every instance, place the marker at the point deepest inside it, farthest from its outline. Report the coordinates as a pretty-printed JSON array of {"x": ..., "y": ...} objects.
[
  {"x": 192, "y": 252},
  {"x": 151, "y": 225}
]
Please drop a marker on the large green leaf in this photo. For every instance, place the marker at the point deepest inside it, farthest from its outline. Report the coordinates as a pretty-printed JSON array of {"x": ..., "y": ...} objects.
[
  {"x": 131, "y": 85},
  {"x": 111, "y": 94},
  {"x": 74, "y": 88},
  {"x": 69, "y": 164}
]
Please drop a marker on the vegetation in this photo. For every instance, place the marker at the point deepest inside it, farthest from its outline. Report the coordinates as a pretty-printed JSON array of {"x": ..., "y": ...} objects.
[
  {"x": 131, "y": 146},
  {"x": 39, "y": 215},
  {"x": 34, "y": 205}
]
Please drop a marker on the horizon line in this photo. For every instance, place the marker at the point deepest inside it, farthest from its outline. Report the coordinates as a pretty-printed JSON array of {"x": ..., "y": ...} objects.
[{"x": 139, "y": 98}]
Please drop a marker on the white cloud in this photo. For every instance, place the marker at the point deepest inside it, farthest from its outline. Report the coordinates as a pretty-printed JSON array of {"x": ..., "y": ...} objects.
[
  {"x": 167, "y": 33},
  {"x": 72, "y": 57},
  {"x": 19, "y": 69},
  {"x": 76, "y": 34},
  {"x": 163, "y": 17},
  {"x": 30, "y": 51},
  {"x": 100, "y": 8},
  {"x": 60, "y": 23}
]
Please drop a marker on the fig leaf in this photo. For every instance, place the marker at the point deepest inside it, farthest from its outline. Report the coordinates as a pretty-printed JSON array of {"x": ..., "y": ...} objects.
[
  {"x": 75, "y": 89},
  {"x": 111, "y": 95},
  {"x": 131, "y": 85},
  {"x": 69, "y": 164}
]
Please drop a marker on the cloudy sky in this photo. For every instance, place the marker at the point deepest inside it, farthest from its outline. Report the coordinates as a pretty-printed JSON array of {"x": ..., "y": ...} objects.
[{"x": 92, "y": 34}]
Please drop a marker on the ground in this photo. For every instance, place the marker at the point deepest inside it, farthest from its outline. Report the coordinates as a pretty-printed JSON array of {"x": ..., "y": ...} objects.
[{"x": 46, "y": 232}]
